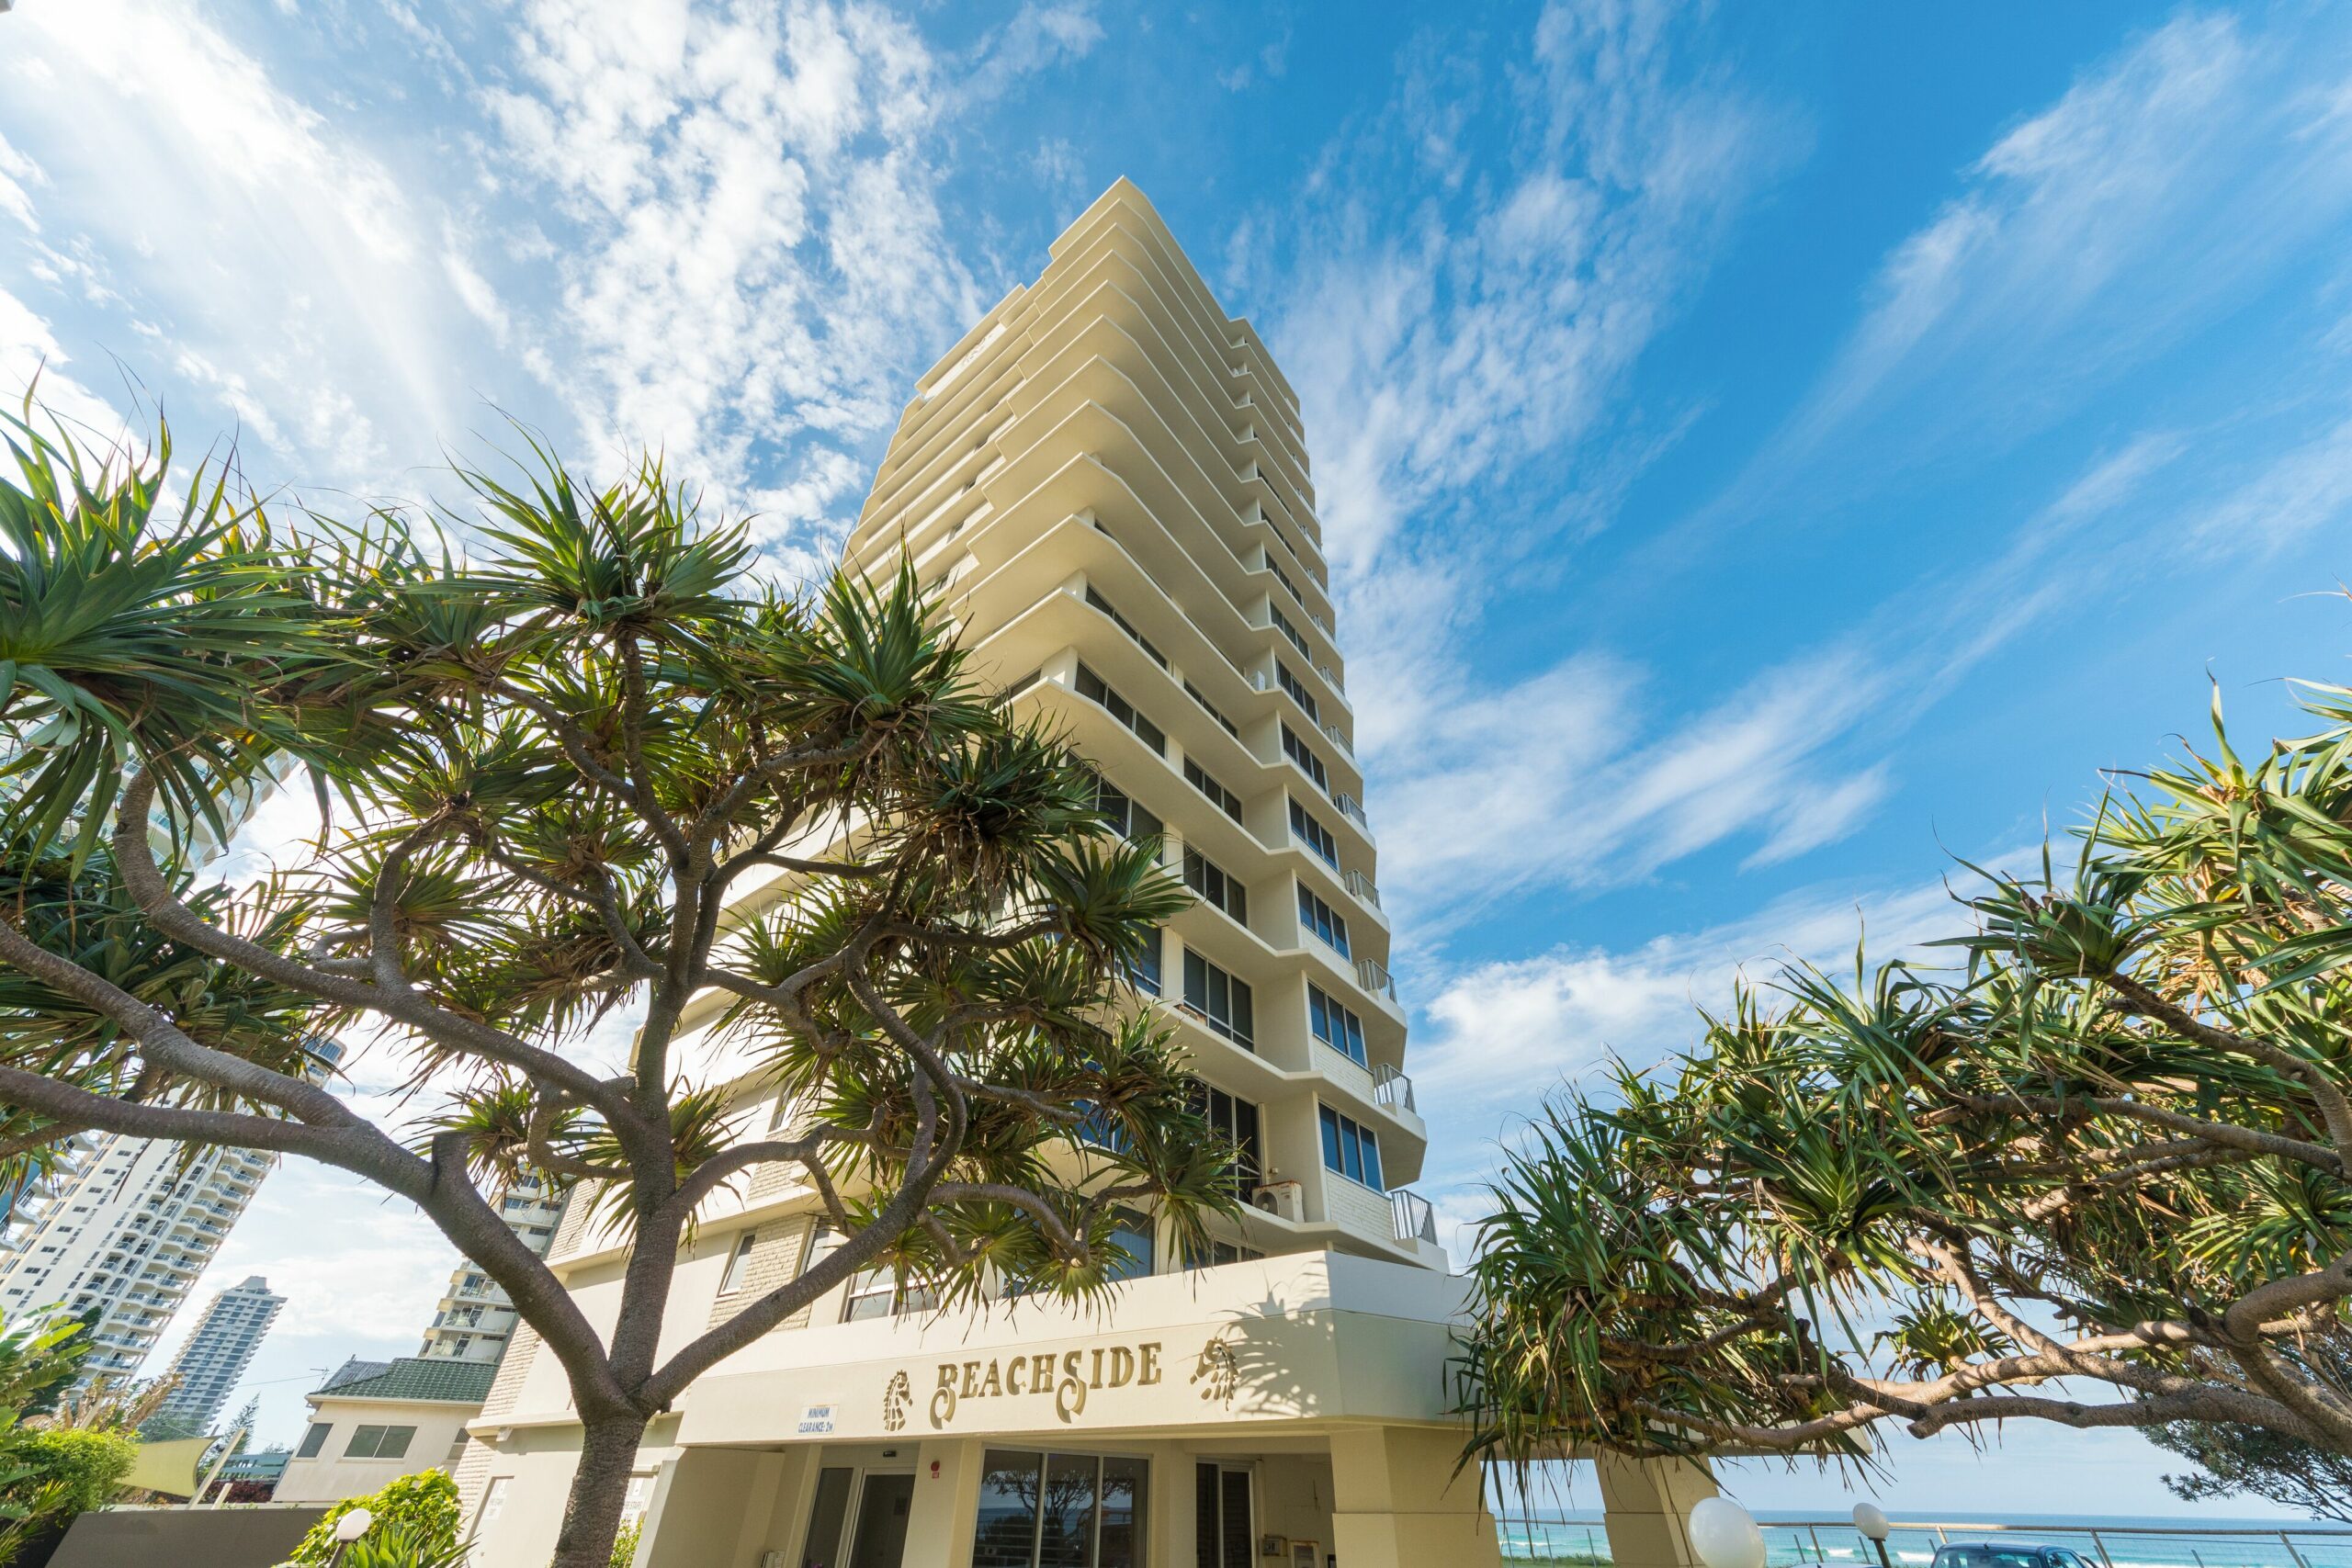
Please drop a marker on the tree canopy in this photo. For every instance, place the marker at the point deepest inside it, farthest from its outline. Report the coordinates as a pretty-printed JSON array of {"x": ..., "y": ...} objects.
[
  {"x": 574, "y": 758},
  {"x": 2083, "y": 1162}
]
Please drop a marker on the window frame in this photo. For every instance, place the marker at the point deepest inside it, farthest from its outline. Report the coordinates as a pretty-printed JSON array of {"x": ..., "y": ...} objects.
[
  {"x": 1243, "y": 1033},
  {"x": 1323, "y": 922},
  {"x": 1347, "y": 1140},
  {"x": 1350, "y": 1031},
  {"x": 1308, "y": 829},
  {"x": 1217, "y": 886}
]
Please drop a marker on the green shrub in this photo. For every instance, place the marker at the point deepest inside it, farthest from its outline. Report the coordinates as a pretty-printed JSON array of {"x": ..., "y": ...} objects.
[
  {"x": 48, "y": 1476},
  {"x": 416, "y": 1514},
  {"x": 625, "y": 1544}
]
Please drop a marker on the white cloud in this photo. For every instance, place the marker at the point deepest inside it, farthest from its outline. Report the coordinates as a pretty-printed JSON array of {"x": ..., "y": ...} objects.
[
  {"x": 29, "y": 352},
  {"x": 2166, "y": 181},
  {"x": 279, "y": 261},
  {"x": 2300, "y": 491}
]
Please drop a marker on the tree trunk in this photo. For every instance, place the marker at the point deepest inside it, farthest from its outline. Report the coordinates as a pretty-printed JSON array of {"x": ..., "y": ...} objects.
[{"x": 592, "y": 1514}]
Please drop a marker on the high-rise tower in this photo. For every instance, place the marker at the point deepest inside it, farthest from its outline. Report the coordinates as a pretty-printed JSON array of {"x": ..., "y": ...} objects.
[
  {"x": 125, "y": 1233},
  {"x": 1105, "y": 485},
  {"x": 218, "y": 1353},
  {"x": 474, "y": 1318}
]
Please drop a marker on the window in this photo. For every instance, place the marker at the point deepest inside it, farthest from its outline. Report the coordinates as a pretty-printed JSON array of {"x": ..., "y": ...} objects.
[
  {"x": 1319, "y": 918},
  {"x": 1335, "y": 1025},
  {"x": 1351, "y": 1149},
  {"x": 739, "y": 1263},
  {"x": 1210, "y": 708},
  {"x": 379, "y": 1442},
  {"x": 1041, "y": 1510},
  {"x": 1282, "y": 625},
  {"x": 1310, "y": 765},
  {"x": 1144, "y": 973},
  {"x": 1297, "y": 690},
  {"x": 1134, "y": 1234},
  {"x": 1230, "y": 802},
  {"x": 1094, "y": 690},
  {"x": 1128, "y": 626},
  {"x": 1217, "y": 999},
  {"x": 1218, "y": 1252},
  {"x": 1130, "y": 820},
  {"x": 1280, "y": 575},
  {"x": 879, "y": 1292},
  {"x": 314, "y": 1439},
  {"x": 1203, "y": 876},
  {"x": 1313, "y": 834},
  {"x": 1236, "y": 1120}
]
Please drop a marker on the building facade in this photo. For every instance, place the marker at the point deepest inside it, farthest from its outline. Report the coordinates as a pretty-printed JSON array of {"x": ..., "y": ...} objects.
[
  {"x": 218, "y": 1353},
  {"x": 125, "y": 1233},
  {"x": 474, "y": 1320},
  {"x": 1105, "y": 483},
  {"x": 373, "y": 1422}
]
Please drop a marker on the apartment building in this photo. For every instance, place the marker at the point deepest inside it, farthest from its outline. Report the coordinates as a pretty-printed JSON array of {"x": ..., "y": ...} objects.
[
  {"x": 219, "y": 1352},
  {"x": 125, "y": 1233},
  {"x": 474, "y": 1319},
  {"x": 1106, "y": 485}
]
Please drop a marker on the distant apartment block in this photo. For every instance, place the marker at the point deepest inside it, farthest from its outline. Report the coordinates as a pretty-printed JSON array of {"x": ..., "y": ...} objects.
[
  {"x": 218, "y": 1353},
  {"x": 475, "y": 1319},
  {"x": 124, "y": 1234}
]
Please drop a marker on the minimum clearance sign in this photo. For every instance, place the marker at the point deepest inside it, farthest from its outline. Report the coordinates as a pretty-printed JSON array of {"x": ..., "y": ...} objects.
[{"x": 1064, "y": 1377}]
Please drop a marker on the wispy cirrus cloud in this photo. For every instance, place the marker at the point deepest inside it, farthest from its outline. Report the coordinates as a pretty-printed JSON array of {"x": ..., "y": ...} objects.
[{"x": 2149, "y": 201}]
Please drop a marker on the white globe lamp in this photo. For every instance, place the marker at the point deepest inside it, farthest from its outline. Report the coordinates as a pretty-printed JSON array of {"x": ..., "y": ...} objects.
[
  {"x": 348, "y": 1528},
  {"x": 1871, "y": 1520},
  {"x": 1724, "y": 1535}
]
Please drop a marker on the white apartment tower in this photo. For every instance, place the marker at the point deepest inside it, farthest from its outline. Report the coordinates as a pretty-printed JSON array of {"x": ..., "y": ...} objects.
[
  {"x": 475, "y": 1319},
  {"x": 1106, "y": 484},
  {"x": 126, "y": 1231},
  {"x": 220, "y": 1350}
]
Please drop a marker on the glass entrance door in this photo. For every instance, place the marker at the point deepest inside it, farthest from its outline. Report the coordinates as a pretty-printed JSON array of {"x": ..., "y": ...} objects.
[
  {"x": 882, "y": 1510},
  {"x": 1225, "y": 1537}
]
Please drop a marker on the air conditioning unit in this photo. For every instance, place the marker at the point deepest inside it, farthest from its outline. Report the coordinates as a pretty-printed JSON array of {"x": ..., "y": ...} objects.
[{"x": 1284, "y": 1199}]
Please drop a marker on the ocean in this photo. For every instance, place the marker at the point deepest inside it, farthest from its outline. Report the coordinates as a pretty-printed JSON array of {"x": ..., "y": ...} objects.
[{"x": 1573, "y": 1539}]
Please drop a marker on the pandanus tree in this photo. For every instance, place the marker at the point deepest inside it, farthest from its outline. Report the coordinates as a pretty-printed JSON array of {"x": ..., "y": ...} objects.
[
  {"x": 573, "y": 759},
  {"x": 2086, "y": 1165}
]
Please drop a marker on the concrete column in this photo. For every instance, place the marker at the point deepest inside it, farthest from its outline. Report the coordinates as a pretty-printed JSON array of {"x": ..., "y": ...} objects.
[
  {"x": 939, "y": 1526},
  {"x": 1173, "y": 1525},
  {"x": 1648, "y": 1504},
  {"x": 708, "y": 1508},
  {"x": 1397, "y": 1501}
]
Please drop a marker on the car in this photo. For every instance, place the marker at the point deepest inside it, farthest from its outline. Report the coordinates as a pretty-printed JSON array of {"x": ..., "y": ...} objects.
[{"x": 2007, "y": 1555}]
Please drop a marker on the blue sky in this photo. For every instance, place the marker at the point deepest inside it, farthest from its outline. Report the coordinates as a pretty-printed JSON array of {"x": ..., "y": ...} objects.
[{"x": 1780, "y": 448}]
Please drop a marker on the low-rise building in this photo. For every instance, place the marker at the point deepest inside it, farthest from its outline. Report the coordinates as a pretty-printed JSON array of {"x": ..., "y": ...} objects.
[{"x": 374, "y": 1422}]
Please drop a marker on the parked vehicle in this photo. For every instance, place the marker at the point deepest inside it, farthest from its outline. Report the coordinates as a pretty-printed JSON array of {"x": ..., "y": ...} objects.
[{"x": 2007, "y": 1555}]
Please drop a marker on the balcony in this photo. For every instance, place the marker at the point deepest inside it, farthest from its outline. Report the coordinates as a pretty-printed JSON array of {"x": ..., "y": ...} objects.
[
  {"x": 1393, "y": 1089},
  {"x": 1374, "y": 978},
  {"x": 1361, "y": 885},
  {"x": 1411, "y": 1217},
  {"x": 1352, "y": 810}
]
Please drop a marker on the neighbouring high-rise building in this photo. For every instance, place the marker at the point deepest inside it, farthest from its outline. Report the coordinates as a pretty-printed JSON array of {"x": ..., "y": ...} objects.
[
  {"x": 474, "y": 1319},
  {"x": 1106, "y": 484},
  {"x": 218, "y": 1353},
  {"x": 123, "y": 1230},
  {"x": 124, "y": 1233}
]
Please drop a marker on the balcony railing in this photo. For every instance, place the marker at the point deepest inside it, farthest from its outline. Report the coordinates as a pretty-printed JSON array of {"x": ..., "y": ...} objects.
[
  {"x": 1411, "y": 1216},
  {"x": 1331, "y": 733},
  {"x": 1393, "y": 1088},
  {"x": 1353, "y": 809},
  {"x": 1374, "y": 978},
  {"x": 1362, "y": 886}
]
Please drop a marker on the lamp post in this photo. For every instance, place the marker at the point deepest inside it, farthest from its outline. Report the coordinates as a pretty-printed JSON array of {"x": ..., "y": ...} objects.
[
  {"x": 1871, "y": 1522},
  {"x": 1724, "y": 1535},
  {"x": 348, "y": 1528}
]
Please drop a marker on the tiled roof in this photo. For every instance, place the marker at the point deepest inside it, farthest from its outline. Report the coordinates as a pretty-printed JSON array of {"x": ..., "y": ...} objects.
[
  {"x": 421, "y": 1377},
  {"x": 353, "y": 1370}
]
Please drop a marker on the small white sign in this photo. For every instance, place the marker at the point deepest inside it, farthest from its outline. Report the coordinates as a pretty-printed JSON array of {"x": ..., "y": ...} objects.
[{"x": 817, "y": 1421}]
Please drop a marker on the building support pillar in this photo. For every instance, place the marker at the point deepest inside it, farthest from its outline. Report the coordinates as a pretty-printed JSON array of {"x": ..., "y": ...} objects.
[
  {"x": 1646, "y": 1505},
  {"x": 1401, "y": 1499}
]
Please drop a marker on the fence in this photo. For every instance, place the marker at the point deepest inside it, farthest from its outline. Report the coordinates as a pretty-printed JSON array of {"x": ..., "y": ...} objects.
[{"x": 1912, "y": 1544}]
